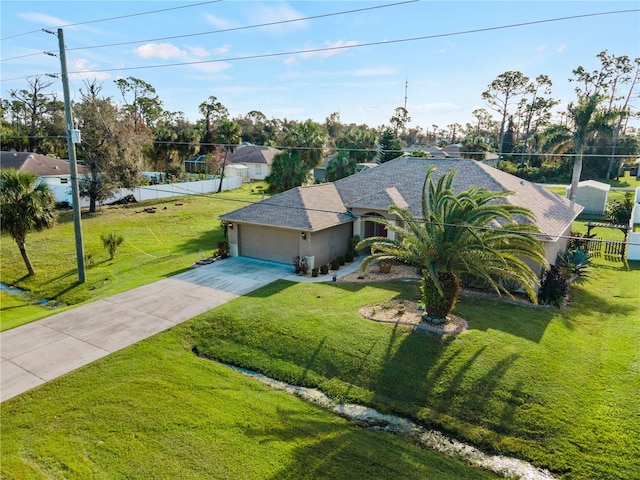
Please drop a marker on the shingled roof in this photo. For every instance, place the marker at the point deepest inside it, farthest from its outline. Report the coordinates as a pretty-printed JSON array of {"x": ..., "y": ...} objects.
[
  {"x": 311, "y": 208},
  {"x": 39, "y": 165},
  {"x": 253, "y": 154},
  {"x": 399, "y": 182}
]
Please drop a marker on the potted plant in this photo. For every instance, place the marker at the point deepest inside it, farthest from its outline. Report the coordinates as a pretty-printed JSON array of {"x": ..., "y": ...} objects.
[{"x": 385, "y": 265}]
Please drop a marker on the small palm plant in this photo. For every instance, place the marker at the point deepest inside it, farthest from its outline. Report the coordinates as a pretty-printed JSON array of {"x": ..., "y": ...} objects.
[{"x": 111, "y": 242}]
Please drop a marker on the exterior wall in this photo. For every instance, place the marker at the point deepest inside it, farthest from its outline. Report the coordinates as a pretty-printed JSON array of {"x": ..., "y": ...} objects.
[
  {"x": 57, "y": 180},
  {"x": 258, "y": 171},
  {"x": 322, "y": 246},
  {"x": 154, "y": 192},
  {"x": 594, "y": 200},
  {"x": 326, "y": 245}
]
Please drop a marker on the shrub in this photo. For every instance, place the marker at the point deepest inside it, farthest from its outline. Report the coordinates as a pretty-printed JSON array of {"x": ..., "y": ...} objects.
[
  {"x": 341, "y": 260},
  {"x": 314, "y": 272},
  {"x": 300, "y": 264},
  {"x": 620, "y": 212},
  {"x": 111, "y": 242},
  {"x": 324, "y": 269},
  {"x": 574, "y": 262},
  {"x": 348, "y": 257},
  {"x": 222, "y": 251},
  {"x": 553, "y": 288},
  {"x": 335, "y": 264}
]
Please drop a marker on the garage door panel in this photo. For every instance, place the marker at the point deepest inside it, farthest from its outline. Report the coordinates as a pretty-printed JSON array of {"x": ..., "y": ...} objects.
[{"x": 268, "y": 243}]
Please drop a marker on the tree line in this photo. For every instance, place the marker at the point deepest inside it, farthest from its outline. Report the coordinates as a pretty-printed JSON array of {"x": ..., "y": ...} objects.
[{"x": 121, "y": 137}]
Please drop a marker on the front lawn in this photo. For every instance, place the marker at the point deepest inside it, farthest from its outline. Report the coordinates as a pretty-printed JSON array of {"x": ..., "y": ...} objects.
[
  {"x": 156, "y": 411},
  {"x": 156, "y": 245},
  {"x": 555, "y": 387}
]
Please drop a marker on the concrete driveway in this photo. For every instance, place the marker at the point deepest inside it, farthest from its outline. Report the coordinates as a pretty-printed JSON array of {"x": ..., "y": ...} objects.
[{"x": 41, "y": 351}]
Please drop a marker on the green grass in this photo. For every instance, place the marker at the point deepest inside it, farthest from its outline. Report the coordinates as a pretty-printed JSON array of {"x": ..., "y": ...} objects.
[
  {"x": 555, "y": 387},
  {"x": 155, "y": 410},
  {"x": 156, "y": 245}
]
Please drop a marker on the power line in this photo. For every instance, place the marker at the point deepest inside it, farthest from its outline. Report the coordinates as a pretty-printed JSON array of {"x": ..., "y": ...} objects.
[
  {"x": 368, "y": 44},
  {"x": 211, "y": 32},
  {"x": 288, "y": 206},
  {"x": 114, "y": 18},
  {"x": 346, "y": 47}
]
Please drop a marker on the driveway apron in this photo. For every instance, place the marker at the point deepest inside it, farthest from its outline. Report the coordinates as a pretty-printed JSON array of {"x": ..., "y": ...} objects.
[{"x": 41, "y": 351}]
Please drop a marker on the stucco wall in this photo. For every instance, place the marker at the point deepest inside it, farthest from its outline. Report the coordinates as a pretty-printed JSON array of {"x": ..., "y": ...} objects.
[{"x": 326, "y": 245}]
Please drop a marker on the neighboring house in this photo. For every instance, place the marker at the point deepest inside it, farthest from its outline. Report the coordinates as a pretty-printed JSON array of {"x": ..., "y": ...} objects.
[
  {"x": 50, "y": 170},
  {"x": 318, "y": 221},
  {"x": 320, "y": 172},
  {"x": 453, "y": 150},
  {"x": 592, "y": 195},
  {"x": 256, "y": 158},
  {"x": 434, "y": 152}
]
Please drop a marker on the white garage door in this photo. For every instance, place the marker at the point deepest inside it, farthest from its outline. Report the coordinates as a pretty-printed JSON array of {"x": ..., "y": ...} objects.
[{"x": 268, "y": 243}]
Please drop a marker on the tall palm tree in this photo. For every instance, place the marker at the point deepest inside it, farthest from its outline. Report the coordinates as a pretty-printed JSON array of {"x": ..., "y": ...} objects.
[
  {"x": 474, "y": 232},
  {"x": 586, "y": 122},
  {"x": 25, "y": 205}
]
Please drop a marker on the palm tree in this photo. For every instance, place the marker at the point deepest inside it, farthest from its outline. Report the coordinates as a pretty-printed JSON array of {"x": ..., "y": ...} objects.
[
  {"x": 25, "y": 205},
  {"x": 474, "y": 232},
  {"x": 587, "y": 121}
]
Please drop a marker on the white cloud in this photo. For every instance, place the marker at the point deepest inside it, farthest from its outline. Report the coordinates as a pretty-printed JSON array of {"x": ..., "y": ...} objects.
[
  {"x": 199, "y": 52},
  {"x": 540, "y": 48},
  {"x": 159, "y": 50},
  {"x": 562, "y": 48},
  {"x": 330, "y": 49},
  {"x": 43, "y": 19},
  {"x": 272, "y": 12},
  {"x": 218, "y": 22},
  {"x": 81, "y": 69},
  {"x": 223, "y": 49},
  {"x": 290, "y": 61}
]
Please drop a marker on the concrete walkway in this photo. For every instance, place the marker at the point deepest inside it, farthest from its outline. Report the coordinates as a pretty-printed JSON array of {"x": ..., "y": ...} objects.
[{"x": 43, "y": 350}]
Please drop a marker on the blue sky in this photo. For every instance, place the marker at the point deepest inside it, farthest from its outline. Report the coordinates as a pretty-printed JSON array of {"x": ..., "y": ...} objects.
[{"x": 446, "y": 74}]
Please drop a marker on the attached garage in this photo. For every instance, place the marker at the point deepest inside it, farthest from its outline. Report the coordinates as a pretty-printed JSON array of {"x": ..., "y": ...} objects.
[{"x": 268, "y": 243}]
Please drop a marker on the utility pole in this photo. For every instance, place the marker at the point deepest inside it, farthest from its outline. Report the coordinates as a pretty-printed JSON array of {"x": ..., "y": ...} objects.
[{"x": 73, "y": 137}]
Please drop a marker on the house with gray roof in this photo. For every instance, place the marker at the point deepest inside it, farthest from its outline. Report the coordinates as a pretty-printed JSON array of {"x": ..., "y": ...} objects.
[
  {"x": 317, "y": 221},
  {"x": 50, "y": 170},
  {"x": 257, "y": 159}
]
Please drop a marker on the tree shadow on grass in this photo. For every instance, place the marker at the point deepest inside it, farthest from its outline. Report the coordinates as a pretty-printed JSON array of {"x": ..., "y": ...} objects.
[{"x": 327, "y": 449}]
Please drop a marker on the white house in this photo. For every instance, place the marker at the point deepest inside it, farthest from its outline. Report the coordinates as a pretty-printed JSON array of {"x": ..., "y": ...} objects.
[{"x": 257, "y": 159}]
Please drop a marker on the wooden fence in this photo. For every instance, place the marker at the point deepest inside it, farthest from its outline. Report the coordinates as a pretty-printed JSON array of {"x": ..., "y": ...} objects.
[{"x": 613, "y": 249}]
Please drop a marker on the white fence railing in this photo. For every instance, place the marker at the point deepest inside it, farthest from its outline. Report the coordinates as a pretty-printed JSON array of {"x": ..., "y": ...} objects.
[{"x": 155, "y": 192}]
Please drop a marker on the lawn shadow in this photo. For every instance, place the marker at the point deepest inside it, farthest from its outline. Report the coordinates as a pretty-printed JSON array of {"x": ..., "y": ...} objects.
[{"x": 324, "y": 448}]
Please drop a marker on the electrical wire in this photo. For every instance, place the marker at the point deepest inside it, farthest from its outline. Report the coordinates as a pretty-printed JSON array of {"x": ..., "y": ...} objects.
[
  {"x": 114, "y": 18},
  {"x": 366, "y": 217},
  {"x": 345, "y": 47},
  {"x": 226, "y": 30}
]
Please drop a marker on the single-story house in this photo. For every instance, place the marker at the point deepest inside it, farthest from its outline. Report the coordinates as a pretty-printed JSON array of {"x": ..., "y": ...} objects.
[
  {"x": 592, "y": 195},
  {"x": 318, "y": 221},
  {"x": 50, "y": 170},
  {"x": 434, "y": 152},
  {"x": 257, "y": 158}
]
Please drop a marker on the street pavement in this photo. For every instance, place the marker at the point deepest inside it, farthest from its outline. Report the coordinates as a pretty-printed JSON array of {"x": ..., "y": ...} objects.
[{"x": 46, "y": 349}]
